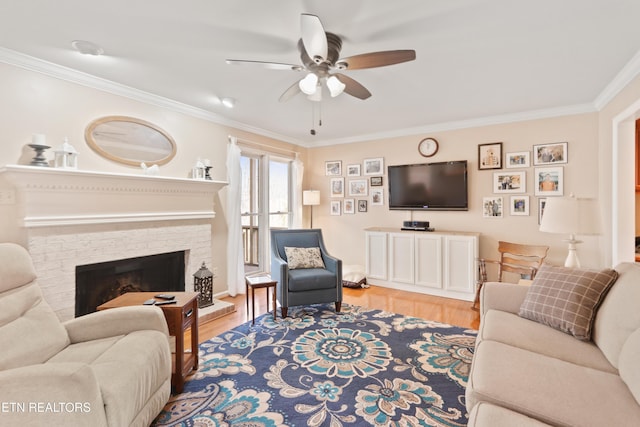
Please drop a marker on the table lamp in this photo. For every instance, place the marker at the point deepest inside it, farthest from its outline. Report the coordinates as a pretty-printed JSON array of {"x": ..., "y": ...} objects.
[
  {"x": 311, "y": 198},
  {"x": 572, "y": 216}
]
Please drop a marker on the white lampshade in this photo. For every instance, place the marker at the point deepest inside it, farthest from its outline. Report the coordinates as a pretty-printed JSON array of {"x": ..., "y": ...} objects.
[
  {"x": 309, "y": 84},
  {"x": 336, "y": 87},
  {"x": 311, "y": 197},
  {"x": 572, "y": 216}
]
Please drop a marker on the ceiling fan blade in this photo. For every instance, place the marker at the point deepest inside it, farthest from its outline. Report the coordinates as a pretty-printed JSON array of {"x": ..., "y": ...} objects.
[
  {"x": 352, "y": 87},
  {"x": 292, "y": 91},
  {"x": 314, "y": 38},
  {"x": 269, "y": 65},
  {"x": 376, "y": 59}
]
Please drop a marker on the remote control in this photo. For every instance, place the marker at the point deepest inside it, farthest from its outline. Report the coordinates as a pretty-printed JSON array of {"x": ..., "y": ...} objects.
[
  {"x": 165, "y": 296},
  {"x": 165, "y": 302},
  {"x": 149, "y": 302}
]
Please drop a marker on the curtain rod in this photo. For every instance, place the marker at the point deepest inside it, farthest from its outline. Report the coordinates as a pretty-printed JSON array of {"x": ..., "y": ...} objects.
[{"x": 249, "y": 143}]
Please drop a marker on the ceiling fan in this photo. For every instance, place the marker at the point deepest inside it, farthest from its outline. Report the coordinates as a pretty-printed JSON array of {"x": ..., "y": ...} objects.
[{"x": 320, "y": 56}]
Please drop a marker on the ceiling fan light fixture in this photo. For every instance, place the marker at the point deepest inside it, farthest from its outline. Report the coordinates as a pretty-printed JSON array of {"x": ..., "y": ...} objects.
[
  {"x": 309, "y": 84},
  {"x": 335, "y": 86},
  {"x": 316, "y": 96}
]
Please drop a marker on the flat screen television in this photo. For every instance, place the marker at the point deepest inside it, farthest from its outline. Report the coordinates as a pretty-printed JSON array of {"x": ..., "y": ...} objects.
[{"x": 438, "y": 186}]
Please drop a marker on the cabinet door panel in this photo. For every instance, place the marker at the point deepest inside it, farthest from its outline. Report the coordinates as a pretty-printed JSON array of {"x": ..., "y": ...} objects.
[
  {"x": 401, "y": 248},
  {"x": 460, "y": 258},
  {"x": 377, "y": 256},
  {"x": 428, "y": 254}
]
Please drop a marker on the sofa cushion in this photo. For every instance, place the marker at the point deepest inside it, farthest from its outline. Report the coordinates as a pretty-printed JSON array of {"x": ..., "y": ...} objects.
[
  {"x": 618, "y": 315},
  {"x": 629, "y": 367},
  {"x": 486, "y": 414},
  {"x": 509, "y": 328},
  {"x": 303, "y": 257},
  {"x": 25, "y": 318},
  {"x": 567, "y": 298},
  {"x": 16, "y": 268},
  {"x": 311, "y": 279},
  {"x": 548, "y": 389}
]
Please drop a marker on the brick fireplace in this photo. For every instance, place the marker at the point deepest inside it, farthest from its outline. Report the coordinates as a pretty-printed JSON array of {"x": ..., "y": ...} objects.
[{"x": 69, "y": 218}]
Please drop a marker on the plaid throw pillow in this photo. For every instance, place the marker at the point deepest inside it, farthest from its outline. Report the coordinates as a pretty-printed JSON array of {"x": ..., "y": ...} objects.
[
  {"x": 303, "y": 257},
  {"x": 567, "y": 299}
]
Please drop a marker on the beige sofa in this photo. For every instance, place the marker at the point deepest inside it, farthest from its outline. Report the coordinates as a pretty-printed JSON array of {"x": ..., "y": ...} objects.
[
  {"x": 525, "y": 373},
  {"x": 111, "y": 368}
]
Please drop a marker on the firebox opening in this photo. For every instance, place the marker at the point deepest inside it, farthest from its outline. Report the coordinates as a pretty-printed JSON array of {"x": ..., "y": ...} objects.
[{"x": 99, "y": 283}]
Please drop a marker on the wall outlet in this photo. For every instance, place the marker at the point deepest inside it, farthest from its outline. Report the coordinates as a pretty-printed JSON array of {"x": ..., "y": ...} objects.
[{"x": 7, "y": 197}]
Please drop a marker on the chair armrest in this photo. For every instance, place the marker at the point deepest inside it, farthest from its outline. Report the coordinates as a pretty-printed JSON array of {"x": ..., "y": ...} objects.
[
  {"x": 61, "y": 394},
  {"x": 116, "y": 321},
  {"x": 502, "y": 296}
]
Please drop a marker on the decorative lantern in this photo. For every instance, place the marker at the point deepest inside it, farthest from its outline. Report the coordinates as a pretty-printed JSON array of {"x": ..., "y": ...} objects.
[
  {"x": 203, "y": 283},
  {"x": 198, "y": 170},
  {"x": 66, "y": 157}
]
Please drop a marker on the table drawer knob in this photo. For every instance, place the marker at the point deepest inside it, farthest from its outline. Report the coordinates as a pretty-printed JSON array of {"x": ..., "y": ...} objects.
[{"x": 189, "y": 313}]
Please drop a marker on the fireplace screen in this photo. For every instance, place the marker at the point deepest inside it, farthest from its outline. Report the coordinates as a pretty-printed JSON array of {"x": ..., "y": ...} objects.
[{"x": 99, "y": 283}]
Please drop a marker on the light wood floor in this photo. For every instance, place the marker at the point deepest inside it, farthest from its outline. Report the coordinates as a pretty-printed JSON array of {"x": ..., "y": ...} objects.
[{"x": 445, "y": 310}]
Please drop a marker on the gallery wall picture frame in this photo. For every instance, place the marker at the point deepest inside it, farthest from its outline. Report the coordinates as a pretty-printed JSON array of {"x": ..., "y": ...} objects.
[
  {"x": 510, "y": 182},
  {"x": 519, "y": 159},
  {"x": 358, "y": 187},
  {"x": 349, "y": 206},
  {"x": 362, "y": 205},
  {"x": 374, "y": 166},
  {"x": 353, "y": 170},
  {"x": 549, "y": 154},
  {"x": 335, "y": 207},
  {"x": 333, "y": 168},
  {"x": 492, "y": 207},
  {"x": 490, "y": 156},
  {"x": 549, "y": 181},
  {"x": 337, "y": 187},
  {"x": 376, "y": 181},
  {"x": 377, "y": 197},
  {"x": 519, "y": 206},
  {"x": 542, "y": 202}
]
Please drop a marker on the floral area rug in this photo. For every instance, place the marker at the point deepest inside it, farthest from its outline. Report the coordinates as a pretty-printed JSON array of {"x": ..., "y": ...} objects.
[{"x": 322, "y": 368}]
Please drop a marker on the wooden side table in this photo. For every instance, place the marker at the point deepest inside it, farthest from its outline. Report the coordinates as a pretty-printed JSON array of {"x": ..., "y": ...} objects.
[
  {"x": 180, "y": 316},
  {"x": 255, "y": 282}
]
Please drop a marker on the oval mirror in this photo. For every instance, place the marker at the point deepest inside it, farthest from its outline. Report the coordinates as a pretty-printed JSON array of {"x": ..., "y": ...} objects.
[{"x": 130, "y": 141}]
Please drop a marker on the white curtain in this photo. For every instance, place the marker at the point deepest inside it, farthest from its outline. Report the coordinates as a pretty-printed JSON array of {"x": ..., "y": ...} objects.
[
  {"x": 297, "y": 173},
  {"x": 235, "y": 257}
]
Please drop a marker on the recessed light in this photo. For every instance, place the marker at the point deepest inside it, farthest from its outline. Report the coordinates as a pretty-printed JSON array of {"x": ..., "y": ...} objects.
[
  {"x": 87, "y": 48},
  {"x": 228, "y": 102}
]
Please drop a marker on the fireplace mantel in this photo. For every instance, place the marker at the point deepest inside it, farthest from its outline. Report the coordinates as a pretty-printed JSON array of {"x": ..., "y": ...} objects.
[{"x": 47, "y": 197}]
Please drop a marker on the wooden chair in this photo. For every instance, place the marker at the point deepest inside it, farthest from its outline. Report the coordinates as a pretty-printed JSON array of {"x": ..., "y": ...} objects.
[{"x": 524, "y": 260}]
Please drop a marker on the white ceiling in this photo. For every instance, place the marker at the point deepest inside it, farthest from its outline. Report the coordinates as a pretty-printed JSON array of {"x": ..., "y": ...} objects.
[{"x": 477, "y": 60}]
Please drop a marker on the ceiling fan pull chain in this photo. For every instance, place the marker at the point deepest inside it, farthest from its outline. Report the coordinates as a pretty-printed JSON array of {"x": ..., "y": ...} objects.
[{"x": 313, "y": 118}]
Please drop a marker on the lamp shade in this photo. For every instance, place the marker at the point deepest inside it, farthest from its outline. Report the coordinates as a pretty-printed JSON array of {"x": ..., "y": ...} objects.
[
  {"x": 571, "y": 215},
  {"x": 311, "y": 197},
  {"x": 309, "y": 84}
]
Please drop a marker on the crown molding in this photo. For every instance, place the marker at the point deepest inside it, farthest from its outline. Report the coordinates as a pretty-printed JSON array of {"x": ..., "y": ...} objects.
[
  {"x": 50, "y": 69},
  {"x": 629, "y": 72}
]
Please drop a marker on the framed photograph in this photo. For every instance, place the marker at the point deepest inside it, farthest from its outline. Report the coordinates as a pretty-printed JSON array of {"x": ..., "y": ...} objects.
[
  {"x": 362, "y": 205},
  {"x": 358, "y": 187},
  {"x": 519, "y": 206},
  {"x": 492, "y": 207},
  {"x": 376, "y": 181},
  {"x": 542, "y": 201},
  {"x": 377, "y": 197},
  {"x": 549, "y": 181},
  {"x": 374, "y": 166},
  {"x": 349, "y": 206},
  {"x": 490, "y": 156},
  {"x": 333, "y": 168},
  {"x": 521, "y": 159},
  {"x": 335, "y": 207},
  {"x": 353, "y": 170},
  {"x": 337, "y": 187},
  {"x": 509, "y": 182},
  {"x": 548, "y": 154}
]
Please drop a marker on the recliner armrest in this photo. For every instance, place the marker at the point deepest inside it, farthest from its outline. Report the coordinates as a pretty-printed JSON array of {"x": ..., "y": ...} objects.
[
  {"x": 51, "y": 394},
  {"x": 116, "y": 321},
  {"x": 502, "y": 296}
]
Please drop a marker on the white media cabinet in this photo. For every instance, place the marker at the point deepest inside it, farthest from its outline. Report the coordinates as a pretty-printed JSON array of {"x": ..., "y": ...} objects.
[{"x": 441, "y": 263}]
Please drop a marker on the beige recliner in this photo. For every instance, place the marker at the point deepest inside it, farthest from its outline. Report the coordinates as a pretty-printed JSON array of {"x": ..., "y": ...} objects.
[{"x": 110, "y": 368}]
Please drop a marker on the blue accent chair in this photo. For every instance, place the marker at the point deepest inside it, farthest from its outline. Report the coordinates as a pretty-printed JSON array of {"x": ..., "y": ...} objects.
[{"x": 309, "y": 285}]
